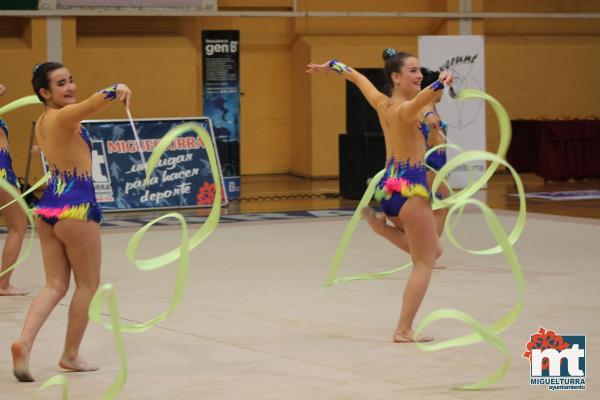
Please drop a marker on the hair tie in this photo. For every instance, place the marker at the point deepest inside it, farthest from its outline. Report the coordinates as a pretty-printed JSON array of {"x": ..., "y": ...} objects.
[
  {"x": 36, "y": 67},
  {"x": 390, "y": 52}
]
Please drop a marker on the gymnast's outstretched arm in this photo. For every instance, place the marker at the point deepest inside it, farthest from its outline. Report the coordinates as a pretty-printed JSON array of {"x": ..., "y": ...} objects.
[
  {"x": 373, "y": 96},
  {"x": 409, "y": 110},
  {"x": 71, "y": 115}
]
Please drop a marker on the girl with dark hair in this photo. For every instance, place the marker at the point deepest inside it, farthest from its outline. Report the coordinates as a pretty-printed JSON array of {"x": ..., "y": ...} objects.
[
  {"x": 16, "y": 221},
  {"x": 68, "y": 214},
  {"x": 403, "y": 190}
]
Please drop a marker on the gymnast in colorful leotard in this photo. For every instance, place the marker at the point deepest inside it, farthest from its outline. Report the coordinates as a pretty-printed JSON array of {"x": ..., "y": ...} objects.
[
  {"x": 438, "y": 130},
  {"x": 68, "y": 213},
  {"x": 403, "y": 190},
  {"x": 16, "y": 221}
]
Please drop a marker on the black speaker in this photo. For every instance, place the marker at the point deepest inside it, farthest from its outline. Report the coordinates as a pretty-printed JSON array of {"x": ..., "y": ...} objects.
[
  {"x": 361, "y": 118},
  {"x": 361, "y": 157}
]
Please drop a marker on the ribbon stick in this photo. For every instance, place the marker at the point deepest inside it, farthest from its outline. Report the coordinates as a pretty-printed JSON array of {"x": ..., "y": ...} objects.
[{"x": 137, "y": 139}]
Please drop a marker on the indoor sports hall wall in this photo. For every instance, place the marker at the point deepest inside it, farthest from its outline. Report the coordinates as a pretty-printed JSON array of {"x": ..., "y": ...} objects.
[
  {"x": 289, "y": 122},
  {"x": 22, "y": 44}
]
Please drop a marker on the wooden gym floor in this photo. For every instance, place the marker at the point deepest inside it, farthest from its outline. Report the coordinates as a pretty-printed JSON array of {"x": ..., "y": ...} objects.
[
  {"x": 257, "y": 322},
  {"x": 269, "y": 193}
]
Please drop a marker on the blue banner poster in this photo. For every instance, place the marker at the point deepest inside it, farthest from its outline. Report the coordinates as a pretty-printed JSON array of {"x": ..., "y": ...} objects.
[
  {"x": 221, "y": 100},
  {"x": 182, "y": 178}
]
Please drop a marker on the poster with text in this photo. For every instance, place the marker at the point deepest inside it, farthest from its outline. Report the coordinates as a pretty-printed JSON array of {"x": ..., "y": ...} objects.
[
  {"x": 182, "y": 177},
  {"x": 221, "y": 100},
  {"x": 463, "y": 56}
]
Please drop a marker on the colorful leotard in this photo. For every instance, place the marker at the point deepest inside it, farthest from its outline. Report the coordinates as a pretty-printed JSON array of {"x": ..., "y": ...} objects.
[
  {"x": 6, "y": 169},
  {"x": 400, "y": 182},
  {"x": 70, "y": 195},
  {"x": 437, "y": 159},
  {"x": 70, "y": 192},
  {"x": 402, "y": 179}
]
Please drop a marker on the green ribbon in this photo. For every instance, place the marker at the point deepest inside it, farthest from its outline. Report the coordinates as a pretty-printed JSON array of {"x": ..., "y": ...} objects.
[
  {"x": 18, "y": 197},
  {"x": 354, "y": 221},
  {"x": 32, "y": 189},
  {"x": 107, "y": 291},
  {"x": 57, "y": 380},
  {"x": 215, "y": 213},
  {"x": 349, "y": 232},
  {"x": 351, "y": 227},
  {"x": 487, "y": 334},
  {"x": 457, "y": 202},
  {"x": 505, "y": 244},
  {"x": 10, "y": 189},
  {"x": 22, "y": 102},
  {"x": 470, "y": 190},
  {"x": 181, "y": 253}
]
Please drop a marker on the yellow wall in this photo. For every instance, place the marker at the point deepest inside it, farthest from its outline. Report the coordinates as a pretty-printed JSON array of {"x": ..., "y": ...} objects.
[
  {"x": 161, "y": 69},
  {"x": 326, "y": 95},
  {"x": 22, "y": 45},
  {"x": 543, "y": 76},
  {"x": 164, "y": 71},
  {"x": 290, "y": 122}
]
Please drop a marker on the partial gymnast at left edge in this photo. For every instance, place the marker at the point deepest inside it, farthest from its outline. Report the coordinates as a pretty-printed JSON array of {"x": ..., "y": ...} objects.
[{"x": 14, "y": 217}]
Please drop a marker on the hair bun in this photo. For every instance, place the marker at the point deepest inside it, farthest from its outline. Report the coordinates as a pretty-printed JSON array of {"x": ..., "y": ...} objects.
[{"x": 389, "y": 52}]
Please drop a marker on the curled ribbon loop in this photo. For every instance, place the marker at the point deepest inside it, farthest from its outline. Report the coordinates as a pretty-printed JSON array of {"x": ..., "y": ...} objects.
[
  {"x": 505, "y": 241},
  {"x": 353, "y": 224},
  {"x": 180, "y": 253}
]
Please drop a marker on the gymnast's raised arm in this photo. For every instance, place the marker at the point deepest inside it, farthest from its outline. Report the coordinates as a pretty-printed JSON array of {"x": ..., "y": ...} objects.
[
  {"x": 373, "y": 96},
  {"x": 73, "y": 114},
  {"x": 409, "y": 110}
]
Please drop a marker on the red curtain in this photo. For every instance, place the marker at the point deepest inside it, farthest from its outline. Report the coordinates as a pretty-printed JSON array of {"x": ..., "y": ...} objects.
[{"x": 556, "y": 150}]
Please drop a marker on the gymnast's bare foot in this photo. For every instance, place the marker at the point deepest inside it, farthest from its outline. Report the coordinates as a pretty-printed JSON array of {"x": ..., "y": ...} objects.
[
  {"x": 77, "y": 364},
  {"x": 376, "y": 221},
  {"x": 408, "y": 337},
  {"x": 12, "y": 291},
  {"x": 20, "y": 355}
]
